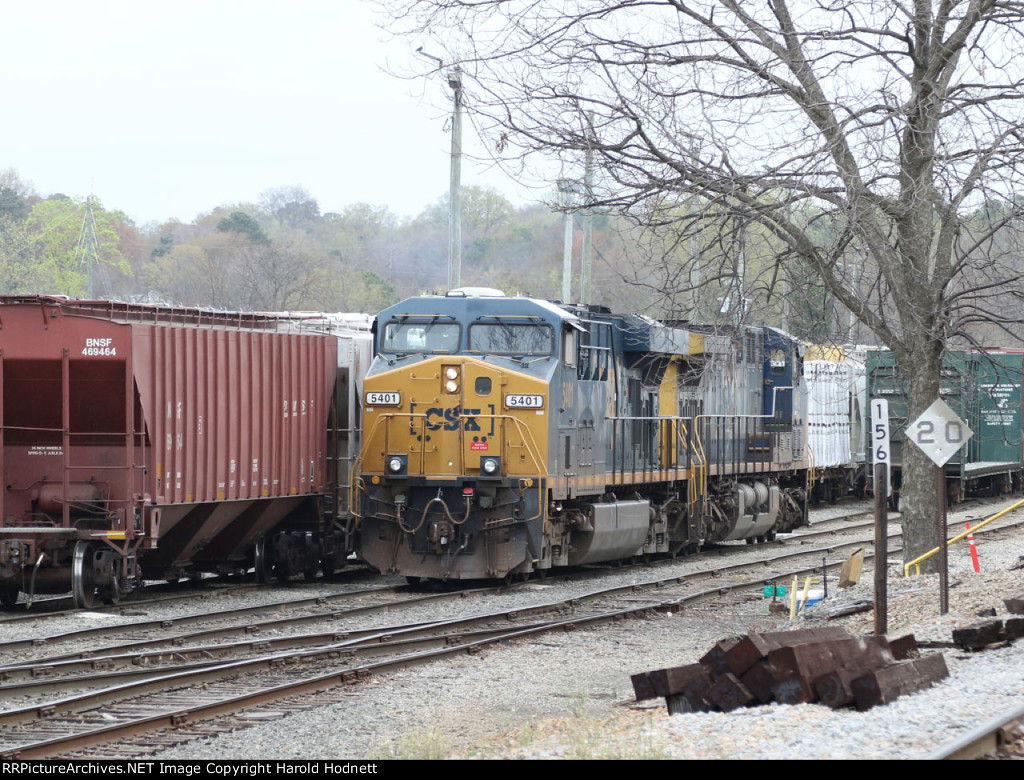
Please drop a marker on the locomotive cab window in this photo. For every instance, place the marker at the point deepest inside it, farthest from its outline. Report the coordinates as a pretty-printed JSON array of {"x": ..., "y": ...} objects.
[
  {"x": 569, "y": 347},
  {"x": 417, "y": 336},
  {"x": 777, "y": 361},
  {"x": 500, "y": 338}
]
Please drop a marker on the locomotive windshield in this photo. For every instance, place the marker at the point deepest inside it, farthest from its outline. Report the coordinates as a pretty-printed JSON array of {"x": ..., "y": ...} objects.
[
  {"x": 416, "y": 336},
  {"x": 501, "y": 338}
]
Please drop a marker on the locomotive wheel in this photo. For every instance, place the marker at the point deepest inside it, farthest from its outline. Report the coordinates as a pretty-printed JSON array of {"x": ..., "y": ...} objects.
[
  {"x": 83, "y": 575},
  {"x": 8, "y": 594}
]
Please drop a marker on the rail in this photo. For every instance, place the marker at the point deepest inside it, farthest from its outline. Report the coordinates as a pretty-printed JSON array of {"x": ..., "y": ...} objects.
[
  {"x": 980, "y": 741},
  {"x": 916, "y": 563}
]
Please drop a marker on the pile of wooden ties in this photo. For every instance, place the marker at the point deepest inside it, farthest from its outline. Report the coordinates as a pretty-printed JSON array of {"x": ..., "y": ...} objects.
[{"x": 825, "y": 665}]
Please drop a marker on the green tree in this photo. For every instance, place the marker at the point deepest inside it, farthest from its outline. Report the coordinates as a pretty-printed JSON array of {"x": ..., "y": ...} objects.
[
  {"x": 240, "y": 222},
  {"x": 57, "y": 252},
  {"x": 12, "y": 204}
]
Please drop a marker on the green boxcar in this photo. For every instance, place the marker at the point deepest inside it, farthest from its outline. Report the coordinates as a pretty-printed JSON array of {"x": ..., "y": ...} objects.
[{"x": 985, "y": 390}]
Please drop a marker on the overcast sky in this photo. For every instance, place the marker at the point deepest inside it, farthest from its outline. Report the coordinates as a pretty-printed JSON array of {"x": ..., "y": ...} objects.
[{"x": 168, "y": 110}]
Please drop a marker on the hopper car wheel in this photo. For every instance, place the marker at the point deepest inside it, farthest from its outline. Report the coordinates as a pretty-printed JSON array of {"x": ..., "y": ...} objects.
[
  {"x": 283, "y": 571},
  {"x": 260, "y": 563},
  {"x": 83, "y": 575},
  {"x": 111, "y": 592},
  {"x": 329, "y": 564},
  {"x": 8, "y": 594},
  {"x": 312, "y": 559}
]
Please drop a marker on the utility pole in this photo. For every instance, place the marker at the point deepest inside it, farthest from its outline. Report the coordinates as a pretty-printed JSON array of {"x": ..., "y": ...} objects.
[
  {"x": 455, "y": 178},
  {"x": 567, "y": 188},
  {"x": 455, "y": 194},
  {"x": 587, "y": 261}
]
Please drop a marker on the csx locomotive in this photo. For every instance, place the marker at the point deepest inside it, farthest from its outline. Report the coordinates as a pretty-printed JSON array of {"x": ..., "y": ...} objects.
[{"x": 507, "y": 436}]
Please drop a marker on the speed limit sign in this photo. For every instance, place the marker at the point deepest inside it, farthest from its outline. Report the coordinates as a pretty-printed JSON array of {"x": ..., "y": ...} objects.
[{"x": 939, "y": 432}]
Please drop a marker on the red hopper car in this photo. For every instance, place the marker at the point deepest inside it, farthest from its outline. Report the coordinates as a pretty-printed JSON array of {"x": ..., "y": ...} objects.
[{"x": 170, "y": 440}]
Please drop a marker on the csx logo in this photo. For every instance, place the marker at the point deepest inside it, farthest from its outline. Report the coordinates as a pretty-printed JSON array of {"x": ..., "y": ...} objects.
[{"x": 449, "y": 419}]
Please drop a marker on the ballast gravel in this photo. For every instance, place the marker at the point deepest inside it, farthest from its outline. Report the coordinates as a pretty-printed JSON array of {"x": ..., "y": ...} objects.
[{"x": 569, "y": 696}]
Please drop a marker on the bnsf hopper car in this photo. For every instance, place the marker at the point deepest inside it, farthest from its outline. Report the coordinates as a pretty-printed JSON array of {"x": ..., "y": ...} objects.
[
  {"x": 144, "y": 439},
  {"x": 985, "y": 390},
  {"x": 504, "y": 436}
]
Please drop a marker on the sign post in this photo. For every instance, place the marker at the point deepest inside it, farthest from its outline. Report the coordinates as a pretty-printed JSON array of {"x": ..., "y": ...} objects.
[
  {"x": 939, "y": 433},
  {"x": 880, "y": 457}
]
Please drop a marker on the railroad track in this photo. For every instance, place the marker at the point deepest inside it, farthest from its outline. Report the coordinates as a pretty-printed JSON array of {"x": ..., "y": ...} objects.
[
  {"x": 275, "y": 674},
  {"x": 1000, "y": 737},
  {"x": 111, "y": 708}
]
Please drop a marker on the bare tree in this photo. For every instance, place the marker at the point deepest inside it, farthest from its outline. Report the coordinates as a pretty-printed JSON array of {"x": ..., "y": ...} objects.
[{"x": 859, "y": 136}]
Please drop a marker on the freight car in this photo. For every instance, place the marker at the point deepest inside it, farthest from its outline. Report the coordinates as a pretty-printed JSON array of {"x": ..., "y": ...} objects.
[
  {"x": 507, "y": 436},
  {"x": 986, "y": 391},
  {"x": 837, "y": 421},
  {"x": 171, "y": 441}
]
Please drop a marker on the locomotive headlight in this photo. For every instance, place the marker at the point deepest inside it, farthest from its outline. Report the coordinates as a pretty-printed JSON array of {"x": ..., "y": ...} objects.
[
  {"x": 490, "y": 466},
  {"x": 396, "y": 464},
  {"x": 452, "y": 377}
]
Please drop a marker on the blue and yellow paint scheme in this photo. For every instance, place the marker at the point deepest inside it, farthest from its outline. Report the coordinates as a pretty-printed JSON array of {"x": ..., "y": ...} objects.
[{"x": 503, "y": 436}]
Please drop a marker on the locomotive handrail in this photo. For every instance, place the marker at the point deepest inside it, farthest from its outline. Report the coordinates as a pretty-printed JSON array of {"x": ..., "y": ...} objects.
[
  {"x": 681, "y": 431},
  {"x": 353, "y": 478},
  {"x": 704, "y": 468}
]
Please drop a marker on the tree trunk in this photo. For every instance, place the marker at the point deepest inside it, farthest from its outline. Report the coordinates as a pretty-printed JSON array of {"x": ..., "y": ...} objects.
[{"x": 919, "y": 499}]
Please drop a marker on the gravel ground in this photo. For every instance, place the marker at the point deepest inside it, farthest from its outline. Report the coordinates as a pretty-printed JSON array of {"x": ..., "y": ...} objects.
[{"x": 569, "y": 696}]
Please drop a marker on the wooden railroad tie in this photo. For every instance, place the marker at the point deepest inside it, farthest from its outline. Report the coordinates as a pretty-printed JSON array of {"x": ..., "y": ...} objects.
[
  {"x": 825, "y": 665},
  {"x": 988, "y": 633}
]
